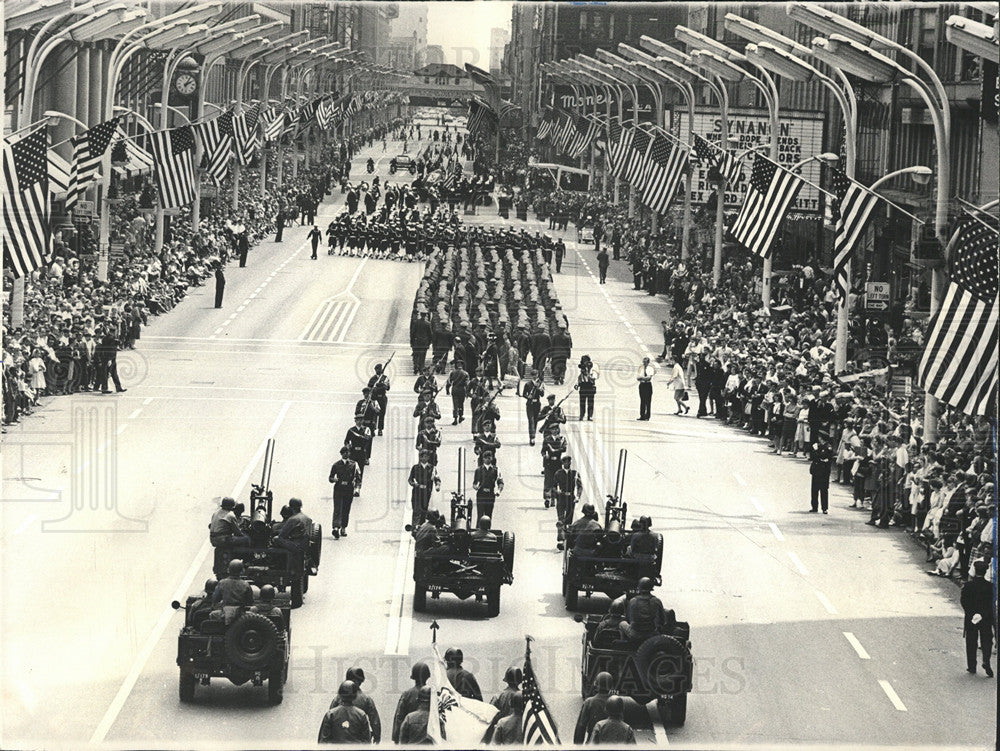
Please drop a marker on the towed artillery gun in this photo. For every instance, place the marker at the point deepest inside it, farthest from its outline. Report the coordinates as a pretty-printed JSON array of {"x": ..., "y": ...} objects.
[
  {"x": 607, "y": 563},
  {"x": 266, "y": 563},
  {"x": 467, "y": 562}
]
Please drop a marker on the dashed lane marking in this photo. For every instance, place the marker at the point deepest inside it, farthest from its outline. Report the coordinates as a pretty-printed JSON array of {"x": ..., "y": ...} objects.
[
  {"x": 147, "y": 401},
  {"x": 659, "y": 734},
  {"x": 25, "y": 524},
  {"x": 756, "y": 504},
  {"x": 798, "y": 562},
  {"x": 135, "y": 413},
  {"x": 893, "y": 696},
  {"x": 121, "y": 428},
  {"x": 862, "y": 652},
  {"x": 826, "y": 603},
  {"x": 182, "y": 591},
  {"x": 776, "y": 532},
  {"x": 739, "y": 479}
]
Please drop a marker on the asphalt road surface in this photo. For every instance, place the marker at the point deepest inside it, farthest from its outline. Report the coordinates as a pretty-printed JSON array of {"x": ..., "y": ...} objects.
[{"x": 805, "y": 629}]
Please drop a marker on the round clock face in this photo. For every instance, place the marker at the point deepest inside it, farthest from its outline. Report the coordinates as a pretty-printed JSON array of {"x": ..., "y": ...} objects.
[{"x": 185, "y": 84}]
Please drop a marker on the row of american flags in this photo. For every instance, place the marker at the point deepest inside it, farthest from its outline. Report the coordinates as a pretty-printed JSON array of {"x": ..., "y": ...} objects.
[
  {"x": 959, "y": 365},
  {"x": 490, "y": 111},
  {"x": 34, "y": 172}
]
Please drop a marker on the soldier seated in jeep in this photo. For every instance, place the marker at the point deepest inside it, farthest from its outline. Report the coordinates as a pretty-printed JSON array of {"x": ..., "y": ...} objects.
[{"x": 234, "y": 589}]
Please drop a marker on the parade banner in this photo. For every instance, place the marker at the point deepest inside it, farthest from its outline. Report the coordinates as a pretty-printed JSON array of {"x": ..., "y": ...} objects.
[{"x": 801, "y": 136}]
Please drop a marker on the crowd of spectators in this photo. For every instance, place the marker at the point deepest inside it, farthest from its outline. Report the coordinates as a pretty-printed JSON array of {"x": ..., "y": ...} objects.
[
  {"x": 771, "y": 373},
  {"x": 74, "y": 323}
]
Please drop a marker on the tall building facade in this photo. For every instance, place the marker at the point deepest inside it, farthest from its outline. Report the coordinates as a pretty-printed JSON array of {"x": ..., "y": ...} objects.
[
  {"x": 499, "y": 37},
  {"x": 407, "y": 47}
]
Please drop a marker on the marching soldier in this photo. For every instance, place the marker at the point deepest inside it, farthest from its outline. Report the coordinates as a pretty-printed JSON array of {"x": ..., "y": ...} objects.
[
  {"x": 346, "y": 478},
  {"x": 551, "y": 414},
  {"x": 553, "y": 447},
  {"x": 429, "y": 438},
  {"x": 368, "y": 409},
  {"x": 532, "y": 392},
  {"x": 420, "y": 339},
  {"x": 423, "y": 478},
  {"x": 358, "y": 440},
  {"x": 568, "y": 489},
  {"x": 379, "y": 385},
  {"x": 486, "y": 441},
  {"x": 457, "y": 384},
  {"x": 487, "y": 483}
]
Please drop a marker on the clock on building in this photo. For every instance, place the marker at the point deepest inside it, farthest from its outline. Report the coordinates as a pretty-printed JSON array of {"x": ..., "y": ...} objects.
[{"x": 185, "y": 83}]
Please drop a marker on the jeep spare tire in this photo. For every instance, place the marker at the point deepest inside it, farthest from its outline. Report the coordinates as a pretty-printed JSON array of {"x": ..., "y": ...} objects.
[
  {"x": 251, "y": 641},
  {"x": 315, "y": 544},
  {"x": 664, "y": 664},
  {"x": 508, "y": 551}
]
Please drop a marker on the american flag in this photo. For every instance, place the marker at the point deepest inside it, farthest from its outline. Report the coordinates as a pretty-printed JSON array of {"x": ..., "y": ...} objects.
[
  {"x": 853, "y": 212},
  {"x": 620, "y": 149},
  {"x": 480, "y": 115},
  {"x": 291, "y": 120},
  {"x": 564, "y": 133},
  {"x": 246, "y": 134},
  {"x": 667, "y": 162},
  {"x": 354, "y": 104},
  {"x": 639, "y": 148},
  {"x": 489, "y": 84},
  {"x": 544, "y": 129},
  {"x": 586, "y": 132},
  {"x": 959, "y": 365},
  {"x": 173, "y": 156},
  {"x": 216, "y": 137},
  {"x": 58, "y": 173},
  {"x": 273, "y": 123},
  {"x": 536, "y": 722},
  {"x": 771, "y": 192},
  {"x": 721, "y": 159},
  {"x": 27, "y": 203},
  {"x": 324, "y": 114},
  {"x": 128, "y": 157},
  {"x": 88, "y": 155}
]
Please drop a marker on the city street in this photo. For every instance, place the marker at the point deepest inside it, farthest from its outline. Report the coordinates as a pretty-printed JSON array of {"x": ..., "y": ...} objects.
[{"x": 805, "y": 629}]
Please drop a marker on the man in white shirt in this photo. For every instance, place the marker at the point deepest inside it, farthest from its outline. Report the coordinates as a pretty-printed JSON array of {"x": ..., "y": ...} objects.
[
  {"x": 645, "y": 378},
  {"x": 676, "y": 373}
]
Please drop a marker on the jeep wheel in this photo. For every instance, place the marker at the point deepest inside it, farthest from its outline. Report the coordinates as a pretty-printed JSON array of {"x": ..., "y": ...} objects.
[
  {"x": 275, "y": 686},
  {"x": 508, "y": 552},
  {"x": 316, "y": 545},
  {"x": 678, "y": 710},
  {"x": 493, "y": 601},
  {"x": 663, "y": 663},
  {"x": 297, "y": 591},
  {"x": 419, "y": 598},
  {"x": 571, "y": 595},
  {"x": 251, "y": 641},
  {"x": 187, "y": 685}
]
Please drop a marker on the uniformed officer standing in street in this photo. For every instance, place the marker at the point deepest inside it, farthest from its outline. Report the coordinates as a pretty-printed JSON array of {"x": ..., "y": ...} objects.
[
  {"x": 358, "y": 440},
  {"x": 532, "y": 392},
  {"x": 409, "y": 700},
  {"x": 420, "y": 340},
  {"x": 553, "y": 448},
  {"x": 345, "y": 723},
  {"x": 220, "y": 285},
  {"x": 456, "y": 385},
  {"x": 314, "y": 237},
  {"x": 978, "y": 603},
  {"x": 346, "y": 478},
  {"x": 362, "y": 701},
  {"x": 594, "y": 708},
  {"x": 568, "y": 489}
]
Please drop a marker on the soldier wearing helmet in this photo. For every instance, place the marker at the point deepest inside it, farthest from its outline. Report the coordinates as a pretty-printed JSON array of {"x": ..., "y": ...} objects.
[
  {"x": 594, "y": 708},
  {"x": 362, "y": 701},
  {"x": 345, "y": 723},
  {"x": 643, "y": 543},
  {"x": 224, "y": 529},
  {"x": 509, "y": 730},
  {"x": 414, "y": 727},
  {"x": 483, "y": 530},
  {"x": 234, "y": 589},
  {"x": 613, "y": 731},
  {"x": 609, "y": 629},
  {"x": 586, "y": 530},
  {"x": 201, "y": 607},
  {"x": 645, "y": 615},
  {"x": 461, "y": 679},
  {"x": 502, "y": 701},
  {"x": 266, "y": 604},
  {"x": 409, "y": 700}
]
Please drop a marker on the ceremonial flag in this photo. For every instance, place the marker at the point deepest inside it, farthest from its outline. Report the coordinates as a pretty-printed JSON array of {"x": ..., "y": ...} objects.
[
  {"x": 173, "y": 155},
  {"x": 58, "y": 173},
  {"x": 620, "y": 148},
  {"x": 273, "y": 124},
  {"x": 27, "y": 236},
  {"x": 564, "y": 132},
  {"x": 324, "y": 114},
  {"x": 508, "y": 112},
  {"x": 721, "y": 160},
  {"x": 463, "y": 722},
  {"x": 853, "y": 213},
  {"x": 667, "y": 162},
  {"x": 246, "y": 134},
  {"x": 772, "y": 190},
  {"x": 479, "y": 115},
  {"x": 959, "y": 364},
  {"x": 641, "y": 141},
  {"x": 88, "y": 154},
  {"x": 536, "y": 722},
  {"x": 216, "y": 137},
  {"x": 586, "y": 131},
  {"x": 489, "y": 84},
  {"x": 128, "y": 157},
  {"x": 290, "y": 120}
]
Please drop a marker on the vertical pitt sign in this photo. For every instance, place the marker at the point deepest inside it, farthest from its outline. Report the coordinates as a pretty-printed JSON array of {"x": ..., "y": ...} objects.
[{"x": 800, "y": 136}]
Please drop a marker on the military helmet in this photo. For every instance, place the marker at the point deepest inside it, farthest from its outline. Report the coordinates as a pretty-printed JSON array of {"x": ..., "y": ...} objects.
[
  {"x": 453, "y": 656},
  {"x": 356, "y": 675},
  {"x": 210, "y": 585},
  {"x": 603, "y": 682},
  {"x": 235, "y": 567},
  {"x": 617, "y": 606},
  {"x": 347, "y": 690},
  {"x": 513, "y": 675},
  {"x": 485, "y": 523},
  {"x": 228, "y": 503},
  {"x": 614, "y": 706},
  {"x": 645, "y": 584},
  {"x": 267, "y": 593},
  {"x": 420, "y": 672},
  {"x": 588, "y": 509}
]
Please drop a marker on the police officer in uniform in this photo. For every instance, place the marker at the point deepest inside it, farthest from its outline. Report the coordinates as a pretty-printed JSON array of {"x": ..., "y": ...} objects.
[
  {"x": 346, "y": 478},
  {"x": 568, "y": 489}
]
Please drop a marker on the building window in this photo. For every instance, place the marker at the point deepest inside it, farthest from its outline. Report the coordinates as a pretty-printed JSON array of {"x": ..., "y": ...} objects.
[
  {"x": 583, "y": 23},
  {"x": 611, "y": 26},
  {"x": 458, "y": 81}
]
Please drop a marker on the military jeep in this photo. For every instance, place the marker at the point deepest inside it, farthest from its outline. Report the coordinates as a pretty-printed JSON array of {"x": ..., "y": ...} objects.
[
  {"x": 658, "y": 669},
  {"x": 240, "y": 646}
]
